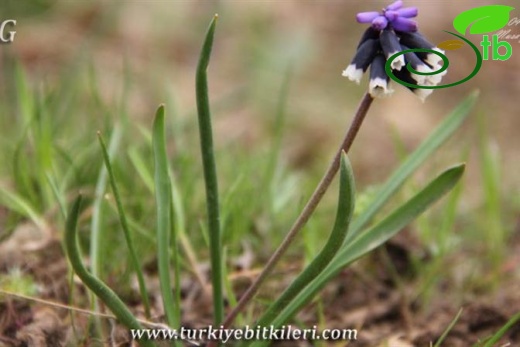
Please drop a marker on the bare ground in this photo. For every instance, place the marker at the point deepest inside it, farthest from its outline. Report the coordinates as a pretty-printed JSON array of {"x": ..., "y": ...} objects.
[{"x": 366, "y": 297}]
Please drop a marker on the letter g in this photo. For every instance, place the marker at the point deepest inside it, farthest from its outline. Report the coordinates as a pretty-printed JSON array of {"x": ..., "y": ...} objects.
[{"x": 10, "y": 37}]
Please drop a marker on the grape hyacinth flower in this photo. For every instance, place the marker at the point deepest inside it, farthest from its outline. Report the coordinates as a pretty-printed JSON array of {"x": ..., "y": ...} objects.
[{"x": 393, "y": 31}]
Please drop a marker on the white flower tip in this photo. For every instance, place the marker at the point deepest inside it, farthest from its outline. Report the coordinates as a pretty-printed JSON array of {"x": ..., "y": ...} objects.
[
  {"x": 434, "y": 80},
  {"x": 353, "y": 74},
  {"x": 397, "y": 63},
  {"x": 378, "y": 87},
  {"x": 434, "y": 59},
  {"x": 422, "y": 79},
  {"x": 436, "y": 77}
]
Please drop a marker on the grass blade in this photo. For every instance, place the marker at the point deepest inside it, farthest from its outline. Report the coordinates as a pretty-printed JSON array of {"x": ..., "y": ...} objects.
[
  {"x": 96, "y": 237},
  {"x": 376, "y": 236},
  {"x": 22, "y": 206},
  {"x": 58, "y": 194},
  {"x": 142, "y": 170},
  {"x": 176, "y": 263},
  {"x": 101, "y": 290},
  {"x": 210, "y": 173},
  {"x": 490, "y": 167},
  {"x": 346, "y": 201},
  {"x": 178, "y": 215},
  {"x": 498, "y": 335},
  {"x": 126, "y": 229},
  {"x": 95, "y": 228},
  {"x": 278, "y": 129},
  {"x": 448, "y": 329},
  {"x": 162, "y": 198},
  {"x": 179, "y": 219}
]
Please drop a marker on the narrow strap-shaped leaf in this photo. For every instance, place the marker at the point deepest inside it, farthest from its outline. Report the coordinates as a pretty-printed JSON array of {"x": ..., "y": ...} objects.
[
  {"x": 23, "y": 206},
  {"x": 346, "y": 201},
  {"x": 498, "y": 335},
  {"x": 176, "y": 264},
  {"x": 381, "y": 232},
  {"x": 162, "y": 200},
  {"x": 210, "y": 173},
  {"x": 126, "y": 229},
  {"x": 375, "y": 236},
  {"x": 427, "y": 147},
  {"x": 96, "y": 235},
  {"x": 448, "y": 329},
  {"x": 101, "y": 290}
]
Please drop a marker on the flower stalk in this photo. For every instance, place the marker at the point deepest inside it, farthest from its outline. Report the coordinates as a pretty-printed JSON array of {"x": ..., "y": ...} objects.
[
  {"x": 307, "y": 211},
  {"x": 392, "y": 36}
]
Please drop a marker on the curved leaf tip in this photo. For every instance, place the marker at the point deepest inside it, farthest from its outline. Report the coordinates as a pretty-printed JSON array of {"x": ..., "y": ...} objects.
[
  {"x": 483, "y": 19},
  {"x": 160, "y": 109}
]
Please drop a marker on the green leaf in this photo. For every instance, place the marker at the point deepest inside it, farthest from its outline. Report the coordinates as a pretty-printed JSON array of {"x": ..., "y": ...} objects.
[
  {"x": 419, "y": 156},
  {"x": 498, "y": 335},
  {"x": 22, "y": 206},
  {"x": 162, "y": 199},
  {"x": 100, "y": 289},
  {"x": 381, "y": 232},
  {"x": 483, "y": 19},
  {"x": 448, "y": 329},
  {"x": 98, "y": 237},
  {"x": 210, "y": 173},
  {"x": 375, "y": 236},
  {"x": 126, "y": 229},
  {"x": 346, "y": 201}
]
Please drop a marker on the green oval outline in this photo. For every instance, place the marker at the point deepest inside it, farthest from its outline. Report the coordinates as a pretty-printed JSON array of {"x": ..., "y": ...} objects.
[
  {"x": 390, "y": 73},
  {"x": 412, "y": 70}
]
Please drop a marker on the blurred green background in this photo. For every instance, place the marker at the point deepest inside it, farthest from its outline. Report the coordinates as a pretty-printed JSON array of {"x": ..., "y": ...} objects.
[{"x": 153, "y": 46}]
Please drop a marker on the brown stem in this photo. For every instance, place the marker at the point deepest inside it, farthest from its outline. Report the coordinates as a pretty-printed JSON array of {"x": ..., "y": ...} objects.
[{"x": 306, "y": 212}]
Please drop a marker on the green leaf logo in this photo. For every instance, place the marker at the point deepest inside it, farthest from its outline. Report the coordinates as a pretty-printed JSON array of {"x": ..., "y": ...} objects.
[{"x": 482, "y": 20}]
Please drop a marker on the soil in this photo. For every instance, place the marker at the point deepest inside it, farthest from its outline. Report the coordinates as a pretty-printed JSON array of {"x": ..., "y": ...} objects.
[{"x": 366, "y": 297}]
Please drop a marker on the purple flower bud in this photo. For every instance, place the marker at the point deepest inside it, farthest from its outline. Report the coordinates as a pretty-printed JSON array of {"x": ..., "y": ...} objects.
[
  {"x": 395, "y": 6},
  {"x": 408, "y": 12},
  {"x": 379, "y": 23},
  {"x": 403, "y": 24},
  {"x": 391, "y": 15},
  {"x": 366, "y": 17}
]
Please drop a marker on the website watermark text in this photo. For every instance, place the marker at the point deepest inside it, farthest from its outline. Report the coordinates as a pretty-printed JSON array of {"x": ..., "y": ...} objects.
[{"x": 247, "y": 333}]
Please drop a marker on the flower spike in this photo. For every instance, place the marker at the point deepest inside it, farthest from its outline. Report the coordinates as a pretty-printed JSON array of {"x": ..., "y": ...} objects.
[{"x": 391, "y": 32}]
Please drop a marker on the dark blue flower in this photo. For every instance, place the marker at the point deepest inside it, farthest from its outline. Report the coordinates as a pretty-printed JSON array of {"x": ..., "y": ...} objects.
[{"x": 391, "y": 31}]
